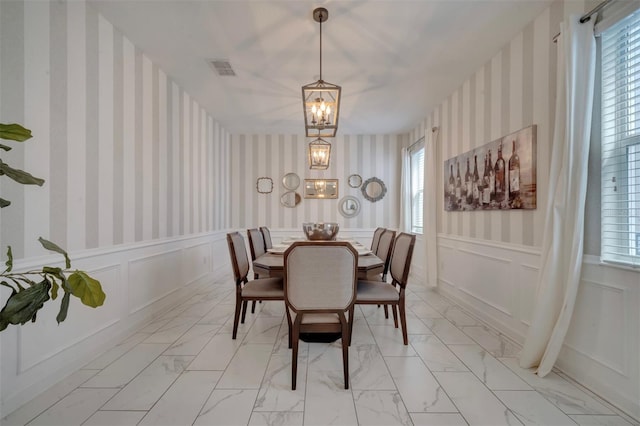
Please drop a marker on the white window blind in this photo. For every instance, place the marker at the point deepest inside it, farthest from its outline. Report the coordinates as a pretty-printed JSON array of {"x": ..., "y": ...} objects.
[
  {"x": 621, "y": 141},
  {"x": 417, "y": 188}
]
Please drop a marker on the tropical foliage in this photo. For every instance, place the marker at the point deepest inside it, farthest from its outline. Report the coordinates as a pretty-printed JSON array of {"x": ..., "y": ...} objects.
[{"x": 30, "y": 290}]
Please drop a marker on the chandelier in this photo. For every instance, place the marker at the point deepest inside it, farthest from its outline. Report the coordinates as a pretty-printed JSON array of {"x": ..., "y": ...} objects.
[
  {"x": 321, "y": 100},
  {"x": 319, "y": 154}
]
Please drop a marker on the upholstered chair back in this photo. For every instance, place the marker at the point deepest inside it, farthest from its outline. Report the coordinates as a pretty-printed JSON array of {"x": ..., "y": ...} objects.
[
  {"x": 266, "y": 234},
  {"x": 320, "y": 276},
  {"x": 256, "y": 243},
  {"x": 401, "y": 257},
  {"x": 238, "y": 252}
]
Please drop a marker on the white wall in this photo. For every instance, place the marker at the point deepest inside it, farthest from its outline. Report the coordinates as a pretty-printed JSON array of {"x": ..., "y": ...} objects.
[
  {"x": 137, "y": 184},
  {"x": 489, "y": 261}
]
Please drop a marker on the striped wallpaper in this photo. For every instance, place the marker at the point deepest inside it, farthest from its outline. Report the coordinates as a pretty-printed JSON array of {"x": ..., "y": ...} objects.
[
  {"x": 273, "y": 156},
  {"x": 127, "y": 155},
  {"x": 513, "y": 90}
]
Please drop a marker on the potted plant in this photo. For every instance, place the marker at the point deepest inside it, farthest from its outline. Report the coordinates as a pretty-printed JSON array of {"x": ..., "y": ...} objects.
[{"x": 30, "y": 290}]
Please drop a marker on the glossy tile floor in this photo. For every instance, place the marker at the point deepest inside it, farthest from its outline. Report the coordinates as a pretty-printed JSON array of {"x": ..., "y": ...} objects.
[{"x": 183, "y": 368}]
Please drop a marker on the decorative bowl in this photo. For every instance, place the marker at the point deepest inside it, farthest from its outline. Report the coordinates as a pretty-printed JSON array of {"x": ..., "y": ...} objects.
[{"x": 321, "y": 231}]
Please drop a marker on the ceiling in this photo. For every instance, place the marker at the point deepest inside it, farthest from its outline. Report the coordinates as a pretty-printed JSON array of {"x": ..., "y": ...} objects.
[{"x": 394, "y": 59}]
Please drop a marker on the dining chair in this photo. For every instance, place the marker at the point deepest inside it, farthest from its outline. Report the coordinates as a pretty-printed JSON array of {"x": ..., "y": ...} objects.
[
  {"x": 376, "y": 239},
  {"x": 319, "y": 290},
  {"x": 384, "y": 253},
  {"x": 266, "y": 235},
  {"x": 382, "y": 293},
  {"x": 256, "y": 244},
  {"x": 257, "y": 289}
]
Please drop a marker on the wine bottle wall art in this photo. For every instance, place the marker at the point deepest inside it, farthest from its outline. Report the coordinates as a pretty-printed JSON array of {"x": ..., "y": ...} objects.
[{"x": 503, "y": 177}]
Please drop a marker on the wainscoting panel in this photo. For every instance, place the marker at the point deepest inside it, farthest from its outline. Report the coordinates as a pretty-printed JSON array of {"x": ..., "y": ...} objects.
[
  {"x": 82, "y": 321},
  {"x": 196, "y": 262},
  {"x": 159, "y": 271}
]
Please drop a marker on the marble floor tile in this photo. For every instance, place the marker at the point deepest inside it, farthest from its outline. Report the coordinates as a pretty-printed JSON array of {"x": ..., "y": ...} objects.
[
  {"x": 563, "y": 394},
  {"x": 532, "y": 409},
  {"x": 148, "y": 386},
  {"x": 390, "y": 343},
  {"x": 125, "y": 368},
  {"x": 117, "y": 351},
  {"x": 247, "y": 367},
  {"x": 264, "y": 330},
  {"x": 420, "y": 391},
  {"x": 437, "y": 419},
  {"x": 492, "y": 341},
  {"x": 74, "y": 408},
  {"x": 458, "y": 317},
  {"x": 435, "y": 354},
  {"x": 326, "y": 400},
  {"x": 476, "y": 403},
  {"x": 494, "y": 374},
  {"x": 227, "y": 407},
  {"x": 367, "y": 369},
  {"x": 455, "y": 371},
  {"x": 596, "y": 420},
  {"x": 448, "y": 333},
  {"x": 274, "y": 308},
  {"x": 220, "y": 314},
  {"x": 182, "y": 402},
  {"x": 216, "y": 354},
  {"x": 155, "y": 325},
  {"x": 192, "y": 342},
  {"x": 276, "y": 418},
  {"x": 48, "y": 398},
  {"x": 115, "y": 418},
  {"x": 275, "y": 392},
  {"x": 172, "y": 331},
  {"x": 422, "y": 310},
  {"x": 378, "y": 407}
]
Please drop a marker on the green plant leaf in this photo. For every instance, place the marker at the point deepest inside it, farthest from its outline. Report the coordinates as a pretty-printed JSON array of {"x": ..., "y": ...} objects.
[
  {"x": 54, "y": 247},
  {"x": 54, "y": 291},
  {"x": 9, "y": 262},
  {"x": 5, "y": 147},
  {"x": 86, "y": 288},
  {"x": 14, "y": 132},
  {"x": 23, "y": 306},
  {"x": 20, "y": 176},
  {"x": 4, "y": 203},
  {"x": 64, "y": 307}
]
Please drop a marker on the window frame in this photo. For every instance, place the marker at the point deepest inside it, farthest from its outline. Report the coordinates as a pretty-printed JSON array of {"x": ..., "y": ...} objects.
[
  {"x": 416, "y": 178},
  {"x": 620, "y": 133}
]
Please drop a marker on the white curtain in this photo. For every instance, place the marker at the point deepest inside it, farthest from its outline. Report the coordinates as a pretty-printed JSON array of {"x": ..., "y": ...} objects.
[
  {"x": 563, "y": 238},
  {"x": 405, "y": 191},
  {"x": 431, "y": 206}
]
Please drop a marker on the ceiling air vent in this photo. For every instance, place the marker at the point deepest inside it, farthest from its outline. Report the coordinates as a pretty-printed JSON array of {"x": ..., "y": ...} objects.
[{"x": 223, "y": 67}]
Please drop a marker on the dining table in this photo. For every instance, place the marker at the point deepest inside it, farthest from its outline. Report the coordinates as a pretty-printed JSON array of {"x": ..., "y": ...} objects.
[{"x": 271, "y": 264}]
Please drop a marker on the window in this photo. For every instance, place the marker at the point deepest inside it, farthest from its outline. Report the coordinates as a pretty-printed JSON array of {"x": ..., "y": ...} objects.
[
  {"x": 621, "y": 141},
  {"x": 416, "y": 164}
]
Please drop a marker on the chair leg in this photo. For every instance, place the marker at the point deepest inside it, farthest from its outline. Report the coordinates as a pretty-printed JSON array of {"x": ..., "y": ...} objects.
[
  {"x": 294, "y": 359},
  {"x": 345, "y": 351},
  {"x": 236, "y": 317},
  {"x": 403, "y": 320},
  {"x": 253, "y": 307},
  {"x": 386, "y": 311},
  {"x": 244, "y": 311},
  {"x": 395, "y": 315}
]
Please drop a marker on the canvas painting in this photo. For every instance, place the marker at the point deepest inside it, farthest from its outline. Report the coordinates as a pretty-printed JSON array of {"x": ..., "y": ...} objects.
[{"x": 500, "y": 175}]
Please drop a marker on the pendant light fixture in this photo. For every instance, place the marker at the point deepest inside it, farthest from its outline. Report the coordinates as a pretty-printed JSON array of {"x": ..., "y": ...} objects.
[
  {"x": 319, "y": 154},
  {"x": 321, "y": 100}
]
